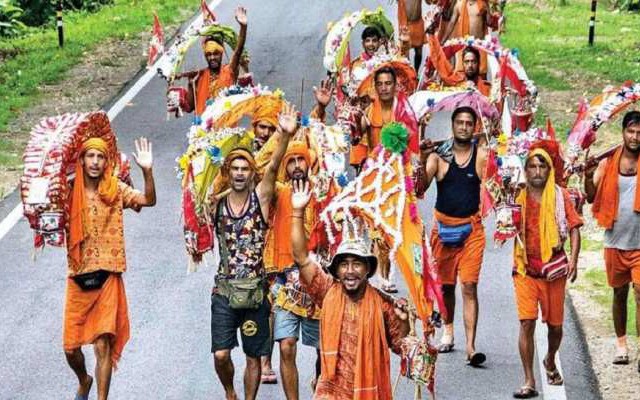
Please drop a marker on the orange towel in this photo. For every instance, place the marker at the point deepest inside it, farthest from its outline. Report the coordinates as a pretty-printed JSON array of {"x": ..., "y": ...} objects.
[
  {"x": 605, "y": 205},
  {"x": 372, "y": 380},
  {"x": 90, "y": 314}
]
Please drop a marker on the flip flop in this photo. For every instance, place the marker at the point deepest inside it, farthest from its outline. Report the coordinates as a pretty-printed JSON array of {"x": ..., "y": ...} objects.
[
  {"x": 621, "y": 359},
  {"x": 85, "y": 396},
  {"x": 445, "y": 348},
  {"x": 526, "y": 392},
  {"x": 553, "y": 376},
  {"x": 476, "y": 359},
  {"x": 269, "y": 378},
  {"x": 390, "y": 288}
]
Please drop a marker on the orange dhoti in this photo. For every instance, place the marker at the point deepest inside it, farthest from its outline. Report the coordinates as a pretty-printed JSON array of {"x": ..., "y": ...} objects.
[
  {"x": 623, "y": 266},
  {"x": 416, "y": 33},
  {"x": 549, "y": 295},
  {"x": 92, "y": 313},
  {"x": 464, "y": 261}
]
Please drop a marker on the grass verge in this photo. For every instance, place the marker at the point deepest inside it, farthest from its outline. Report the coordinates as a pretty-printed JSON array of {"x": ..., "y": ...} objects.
[
  {"x": 594, "y": 282},
  {"x": 36, "y": 60},
  {"x": 553, "y": 43}
]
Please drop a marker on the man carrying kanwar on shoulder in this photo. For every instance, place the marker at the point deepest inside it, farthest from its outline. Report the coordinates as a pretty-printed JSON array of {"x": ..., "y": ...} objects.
[
  {"x": 457, "y": 238},
  {"x": 208, "y": 82},
  {"x": 613, "y": 186},
  {"x": 95, "y": 309},
  {"x": 541, "y": 266},
  {"x": 358, "y": 325},
  {"x": 239, "y": 296}
]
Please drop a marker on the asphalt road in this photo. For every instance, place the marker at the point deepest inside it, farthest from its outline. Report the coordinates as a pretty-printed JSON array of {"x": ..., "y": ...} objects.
[{"x": 168, "y": 356}]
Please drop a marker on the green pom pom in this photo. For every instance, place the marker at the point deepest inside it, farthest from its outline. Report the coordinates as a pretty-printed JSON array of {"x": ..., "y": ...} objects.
[{"x": 394, "y": 137}]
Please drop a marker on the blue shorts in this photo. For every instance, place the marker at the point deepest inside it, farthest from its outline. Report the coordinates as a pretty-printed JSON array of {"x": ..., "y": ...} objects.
[{"x": 288, "y": 325}]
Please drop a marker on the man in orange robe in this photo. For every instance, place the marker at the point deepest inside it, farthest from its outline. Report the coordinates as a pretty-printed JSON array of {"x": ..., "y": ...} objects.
[
  {"x": 457, "y": 238},
  {"x": 208, "y": 82},
  {"x": 614, "y": 189},
  {"x": 358, "y": 325},
  {"x": 470, "y": 76},
  {"x": 95, "y": 309},
  {"x": 542, "y": 267},
  {"x": 410, "y": 18}
]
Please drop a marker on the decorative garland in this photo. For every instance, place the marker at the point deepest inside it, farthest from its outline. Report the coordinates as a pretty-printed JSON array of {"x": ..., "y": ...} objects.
[{"x": 340, "y": 32}]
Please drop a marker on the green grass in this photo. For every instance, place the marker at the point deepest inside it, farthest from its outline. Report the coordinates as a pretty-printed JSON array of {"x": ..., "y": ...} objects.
[
  {"x": 39, "y": 60},
  {"x": 553, "y": 47},
  {"x": 594, "y": 282}
]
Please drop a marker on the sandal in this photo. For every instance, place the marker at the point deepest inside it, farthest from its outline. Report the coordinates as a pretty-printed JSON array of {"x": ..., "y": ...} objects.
[
  {"x": 270, "y": 378},
  {"x": 476, "y": 359},
  {"x": 389, "y": 287},
  {"x": 621, "y": 357},
  {"x": 553, "y": 376},
  {"x": 526, "y": 392},
  {"x": 445, "y": 348}
]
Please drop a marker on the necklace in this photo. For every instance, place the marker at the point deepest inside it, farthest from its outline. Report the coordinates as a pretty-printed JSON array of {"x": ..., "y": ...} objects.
[{"x": 235, "y": 214}]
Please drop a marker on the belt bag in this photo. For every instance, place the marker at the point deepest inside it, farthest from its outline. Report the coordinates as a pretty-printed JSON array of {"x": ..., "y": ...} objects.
[
  {"x": 453, "y": 235},
  {"x": 555, "y": 268},
  {"x": 92, "y": 280},
  {"x": 243, "y": 294}
]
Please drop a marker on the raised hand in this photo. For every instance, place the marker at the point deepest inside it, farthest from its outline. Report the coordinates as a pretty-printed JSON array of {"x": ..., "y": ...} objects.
[
  {"x": 323, "y": 93},
  {"x": 241, "y": 15},
  {"x": 301, "y": 194},
  {"x": 144, "y": 153},
  {"x": 288, "y": 119}
]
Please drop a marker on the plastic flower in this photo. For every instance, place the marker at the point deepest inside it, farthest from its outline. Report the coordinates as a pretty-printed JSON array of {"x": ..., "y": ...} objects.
[{"x": 394, "y": 137}]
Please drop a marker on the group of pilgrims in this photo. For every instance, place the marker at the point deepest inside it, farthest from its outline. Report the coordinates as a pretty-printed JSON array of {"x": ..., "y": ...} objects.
[{"x": 312, "y": 220}]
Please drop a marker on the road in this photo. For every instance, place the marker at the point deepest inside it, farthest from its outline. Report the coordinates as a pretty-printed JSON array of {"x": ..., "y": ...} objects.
[{"x": 168, "y": 356}]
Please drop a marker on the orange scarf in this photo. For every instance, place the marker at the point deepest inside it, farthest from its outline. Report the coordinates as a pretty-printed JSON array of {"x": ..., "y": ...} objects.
[
  {"x": 209, "y": 90},
  {"x": 376, "y": 117},
  {"x": 605, "y": 205},
  {"x": 107, "y": 190},
  {"x": 372, "y": 380}
]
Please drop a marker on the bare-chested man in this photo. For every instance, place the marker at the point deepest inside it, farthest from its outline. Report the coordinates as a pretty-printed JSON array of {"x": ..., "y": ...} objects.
[
  {"x": 410, "y": 16},
  {"x": 469, "y": 18}
]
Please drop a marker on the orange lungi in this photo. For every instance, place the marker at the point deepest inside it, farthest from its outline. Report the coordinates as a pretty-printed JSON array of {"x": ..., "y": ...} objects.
[
  {"x": 92, "y": 313},
  {"x": 416, "y": 33},
  {"x": 623, "y": 266},
  {"x": 532, "y": 291},
  {"x": 464, "y": 261}
]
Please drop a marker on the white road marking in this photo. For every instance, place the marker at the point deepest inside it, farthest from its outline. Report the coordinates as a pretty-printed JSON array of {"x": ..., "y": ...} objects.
[
  {"x": 16, "y": 214},
  {"x": 549, "y": 392}
]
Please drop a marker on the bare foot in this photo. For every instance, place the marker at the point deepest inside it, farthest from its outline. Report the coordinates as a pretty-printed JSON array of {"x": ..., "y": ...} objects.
[{"x": 85, "y": 386}]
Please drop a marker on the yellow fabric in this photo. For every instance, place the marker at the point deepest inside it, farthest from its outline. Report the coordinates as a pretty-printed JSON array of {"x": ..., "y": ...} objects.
[
  {"x": 211, "y": 46},
  {"x": 549, "y": 235}
]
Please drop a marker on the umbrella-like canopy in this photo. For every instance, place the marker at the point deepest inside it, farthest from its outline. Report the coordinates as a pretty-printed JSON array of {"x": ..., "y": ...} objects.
[{"x": 469, "y": 98}]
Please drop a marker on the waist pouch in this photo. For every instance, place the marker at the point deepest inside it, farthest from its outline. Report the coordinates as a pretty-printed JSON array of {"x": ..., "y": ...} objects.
[
  {"x": 92, "y": 280},
  {"x": 243, "y": 294},
  {"x": 556, "y": 268},
  {"x": 453, "y": 235}
]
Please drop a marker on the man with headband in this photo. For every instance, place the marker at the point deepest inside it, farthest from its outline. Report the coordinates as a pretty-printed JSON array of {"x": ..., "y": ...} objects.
[
  {"x": 95, "y": 309},
  {"x": 541, "y": 266},
  {"x": 208, "y": 82},
  {"x": 239, "y": 295}
]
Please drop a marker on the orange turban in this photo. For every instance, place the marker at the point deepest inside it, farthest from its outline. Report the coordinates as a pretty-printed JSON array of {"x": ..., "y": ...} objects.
[
  {"x": 295, "y": 148},
  {"x": 221, "y": 181},
  {"x": 268, "y": 112},
  {"x": 107, "y": 190}
]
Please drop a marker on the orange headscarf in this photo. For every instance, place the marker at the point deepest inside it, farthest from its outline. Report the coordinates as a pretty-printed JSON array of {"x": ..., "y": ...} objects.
[
  {"x": 372, "y": 379},
  {"x": 221, "y": 181},
  {"x": 605, "y": 205},
  {"x": 107, "y": 190},
  {"x": 268, "y": 112}
]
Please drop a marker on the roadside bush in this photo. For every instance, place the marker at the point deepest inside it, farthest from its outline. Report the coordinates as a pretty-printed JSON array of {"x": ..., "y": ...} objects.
[
  {"x": 10, "y": 15},
  {"x": 40, "y": 12}
]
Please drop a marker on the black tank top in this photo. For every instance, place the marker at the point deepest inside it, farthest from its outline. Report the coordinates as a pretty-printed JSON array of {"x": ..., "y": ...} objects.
[{"x": 459, "y": 190}]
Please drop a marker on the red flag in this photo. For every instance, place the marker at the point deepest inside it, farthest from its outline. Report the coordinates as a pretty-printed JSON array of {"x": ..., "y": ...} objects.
[
  {"x": 156, "y": 44},
  {"x": 551, "y": 132},
  {"x": 208, "y": 15}
]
